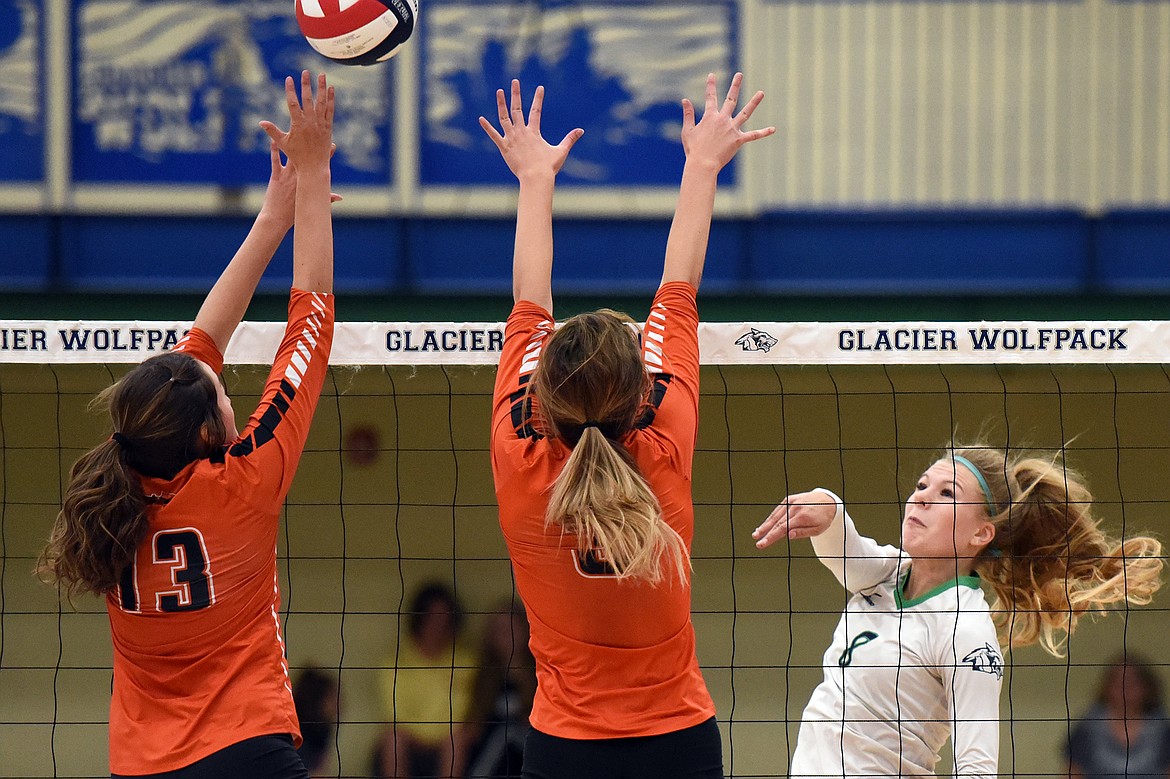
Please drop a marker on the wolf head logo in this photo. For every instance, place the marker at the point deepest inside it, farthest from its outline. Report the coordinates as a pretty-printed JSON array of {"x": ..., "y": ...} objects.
[
  {"x": 986, "y": 659},
  {"x": 755, "y": 341}
]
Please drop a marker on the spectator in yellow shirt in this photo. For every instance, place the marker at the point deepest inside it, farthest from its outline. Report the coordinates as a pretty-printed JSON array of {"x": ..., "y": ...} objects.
[{"x": 425, "y": 690}]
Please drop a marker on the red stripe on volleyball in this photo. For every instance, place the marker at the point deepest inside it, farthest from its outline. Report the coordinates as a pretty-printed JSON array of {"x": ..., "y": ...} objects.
[{"x": 337, "y": 22}]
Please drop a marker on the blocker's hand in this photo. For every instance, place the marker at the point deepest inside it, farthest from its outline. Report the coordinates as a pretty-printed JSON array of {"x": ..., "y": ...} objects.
[
  {"x": 803, "y": 515},
  {"x": 715, "y": 139},
  {"x": 521, "y": 144},
  {"x": 309, "y": 140}
]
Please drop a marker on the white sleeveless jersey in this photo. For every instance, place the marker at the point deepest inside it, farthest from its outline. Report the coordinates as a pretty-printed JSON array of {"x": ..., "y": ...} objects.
[{"x": 901, "y": 676}]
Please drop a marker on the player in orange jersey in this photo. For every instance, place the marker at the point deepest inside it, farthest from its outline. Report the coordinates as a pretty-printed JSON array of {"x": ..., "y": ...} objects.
[
  {"x": 592, "y": 442},
  {"x": 174, "y": 518}
]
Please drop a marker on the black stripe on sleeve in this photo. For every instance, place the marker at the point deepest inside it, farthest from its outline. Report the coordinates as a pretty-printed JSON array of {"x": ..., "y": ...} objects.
[
  {"x": 270, "y": 419},
  {"x": 657, "y": 395},
  {"x": 522, "y": 412}
]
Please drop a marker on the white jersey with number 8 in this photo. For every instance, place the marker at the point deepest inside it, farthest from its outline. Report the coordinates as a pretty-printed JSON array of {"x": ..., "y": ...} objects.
[{"x": 901, "y": 676}]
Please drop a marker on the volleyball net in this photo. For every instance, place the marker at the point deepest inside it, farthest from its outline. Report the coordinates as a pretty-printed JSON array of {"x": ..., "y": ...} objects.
[{"x": 395, "y": 491}]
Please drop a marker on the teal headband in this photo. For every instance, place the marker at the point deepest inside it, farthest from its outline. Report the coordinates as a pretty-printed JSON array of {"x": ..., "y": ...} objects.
[{"x": 963, "y": 461}]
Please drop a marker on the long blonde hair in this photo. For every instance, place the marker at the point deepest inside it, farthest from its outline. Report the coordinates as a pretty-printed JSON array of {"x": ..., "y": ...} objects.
[
  {"x": 591, "y": 388},
  {"x": 1051, "y": 563},
  {"x": 165, "y": 415}
]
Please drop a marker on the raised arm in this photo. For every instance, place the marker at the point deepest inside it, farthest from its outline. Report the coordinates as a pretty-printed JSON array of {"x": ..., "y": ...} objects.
[
  {"x": 225, "y": 304},
  {"x": 535, "y": 163},
  {"x": 709, "y": 145},
  {"x": 308, "y": 144}
]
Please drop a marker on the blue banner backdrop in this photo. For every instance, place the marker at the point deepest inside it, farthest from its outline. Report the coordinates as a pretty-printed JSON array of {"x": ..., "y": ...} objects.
[
  {"x": 617, "y": 69},
  {"x": 22, "y": 100},
  {"x": 168, "y": 92}
]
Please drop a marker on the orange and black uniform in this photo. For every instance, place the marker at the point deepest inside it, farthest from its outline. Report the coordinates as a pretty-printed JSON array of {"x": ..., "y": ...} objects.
[
  {"x": 199, "y": 661},
  {"x": 615, "y": 659}
]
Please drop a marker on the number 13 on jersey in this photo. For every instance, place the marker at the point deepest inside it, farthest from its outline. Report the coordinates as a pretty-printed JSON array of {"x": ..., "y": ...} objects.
[{"x": 184, "y": 552}]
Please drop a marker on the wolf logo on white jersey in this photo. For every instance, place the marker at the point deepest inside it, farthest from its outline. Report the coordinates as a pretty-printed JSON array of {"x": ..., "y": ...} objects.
[{"x": 986, "y": 658}]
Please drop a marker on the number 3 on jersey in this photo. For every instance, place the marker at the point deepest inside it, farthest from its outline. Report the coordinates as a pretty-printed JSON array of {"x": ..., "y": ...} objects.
[{"x": 185, "y": 553}]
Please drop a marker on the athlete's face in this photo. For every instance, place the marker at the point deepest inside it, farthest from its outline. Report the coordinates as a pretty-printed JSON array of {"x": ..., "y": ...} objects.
[
  {"x": 946, "y": 515},
  {"x": 223, "y": 402}
]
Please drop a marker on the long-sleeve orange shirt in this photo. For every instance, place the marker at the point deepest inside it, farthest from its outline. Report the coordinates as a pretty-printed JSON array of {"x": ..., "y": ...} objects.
[
  {"x": 199, "y": 661},
  {"x": 613, "y": 658}
]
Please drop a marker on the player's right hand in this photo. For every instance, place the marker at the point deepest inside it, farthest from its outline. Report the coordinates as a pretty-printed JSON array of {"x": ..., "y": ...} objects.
[{"x": 803, "y": 515}]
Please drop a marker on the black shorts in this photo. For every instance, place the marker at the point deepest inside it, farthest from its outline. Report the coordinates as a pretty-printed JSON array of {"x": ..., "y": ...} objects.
[
  {"x": 262, "y": 757},
  {"x": 692, "y": 753}
]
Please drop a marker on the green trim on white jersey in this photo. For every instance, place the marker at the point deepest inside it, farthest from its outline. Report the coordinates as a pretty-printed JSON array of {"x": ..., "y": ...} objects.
[{"x": 905, "y": 603}]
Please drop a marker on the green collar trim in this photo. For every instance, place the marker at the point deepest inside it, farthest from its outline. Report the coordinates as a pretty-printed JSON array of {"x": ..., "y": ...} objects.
[{"x": 903, "y": 602}]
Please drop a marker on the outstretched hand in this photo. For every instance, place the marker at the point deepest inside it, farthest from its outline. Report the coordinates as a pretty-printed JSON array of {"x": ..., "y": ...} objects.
[
  {"x": 803, "y": 515},
  {"x": 521, "y": 144},
  {"x": 716, "y": 138},
  {"x": 309, "y": 140}
]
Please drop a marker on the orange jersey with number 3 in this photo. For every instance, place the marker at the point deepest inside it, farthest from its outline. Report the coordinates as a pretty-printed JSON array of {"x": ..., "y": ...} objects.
[
  {"x": 199, "y": 661},
  {"x": 614, "y": 658}
]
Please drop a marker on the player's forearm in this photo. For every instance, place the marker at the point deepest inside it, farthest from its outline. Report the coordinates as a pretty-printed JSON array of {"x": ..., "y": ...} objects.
[
  {"x": 225, "y": 304},
  {"x": 858, "y": 562},
  {"x": 533, "y": 253},
  {"x": 313, "y": 234},
  {"x": 686, "y": 248}
]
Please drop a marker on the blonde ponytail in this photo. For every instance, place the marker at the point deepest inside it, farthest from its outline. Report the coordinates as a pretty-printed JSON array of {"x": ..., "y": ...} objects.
[
  {"x": 1051, "y": 563},
  {"x": 590, "y": 389},
  {"x": 602, "y": 498}
]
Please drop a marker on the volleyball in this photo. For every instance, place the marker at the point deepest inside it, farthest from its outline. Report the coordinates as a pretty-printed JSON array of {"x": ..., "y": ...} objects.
[{"x": 357, "y": 32}]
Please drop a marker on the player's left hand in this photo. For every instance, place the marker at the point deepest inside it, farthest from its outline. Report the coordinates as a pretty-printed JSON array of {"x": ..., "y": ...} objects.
[
  {"x": 521, "y": 144},
  {"x": 280, "y": 198}
]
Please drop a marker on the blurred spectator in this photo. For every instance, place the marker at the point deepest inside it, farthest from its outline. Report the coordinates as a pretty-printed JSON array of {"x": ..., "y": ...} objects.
[
  {"x": 505, "y": 683},
  {"x": 1125, "y": 732},
  {"x": 425, "y": 690},
  {"x": 317, "y": 698}
]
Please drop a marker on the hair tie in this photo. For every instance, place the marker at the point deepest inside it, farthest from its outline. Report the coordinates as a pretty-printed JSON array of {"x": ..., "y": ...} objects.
[
  {"x": 121, "y": 440},
  {"x": 963, "y": 461},
  {"x": 591, "y": 423},
  {"x": 996, "y": 553}
]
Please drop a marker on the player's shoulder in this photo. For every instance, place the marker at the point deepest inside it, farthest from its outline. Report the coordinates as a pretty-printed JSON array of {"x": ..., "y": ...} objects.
[
  {"x": 527, "y": 313},
  {"x": 969, "y": 635},
  {"x": 232, "y": 483}
]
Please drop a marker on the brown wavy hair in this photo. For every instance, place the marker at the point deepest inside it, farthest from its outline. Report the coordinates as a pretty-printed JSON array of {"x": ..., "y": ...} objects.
[
  {"x": 165, "y": 415},
  {"x": 591, "y": 388},
  {"x": 1051, "y": 562}
]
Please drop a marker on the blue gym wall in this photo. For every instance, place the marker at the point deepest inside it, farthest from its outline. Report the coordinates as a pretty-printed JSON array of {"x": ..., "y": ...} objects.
[{"x": 951, "y": 148}]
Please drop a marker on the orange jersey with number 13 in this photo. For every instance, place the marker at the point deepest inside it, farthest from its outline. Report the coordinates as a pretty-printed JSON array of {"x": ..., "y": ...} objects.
[{"x": 199, "y": 660}]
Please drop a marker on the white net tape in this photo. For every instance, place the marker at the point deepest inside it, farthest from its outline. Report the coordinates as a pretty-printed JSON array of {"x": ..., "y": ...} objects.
[{"x": 720, "y": 343}]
